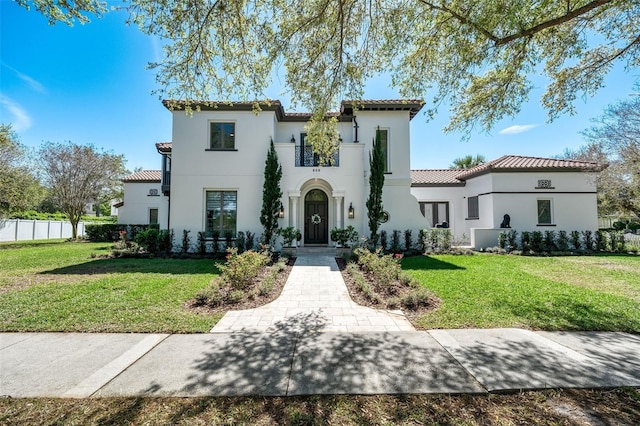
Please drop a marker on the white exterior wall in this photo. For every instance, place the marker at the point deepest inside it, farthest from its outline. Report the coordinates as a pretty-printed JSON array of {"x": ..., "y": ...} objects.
[
  {"x": 138, "y": 202},
  {"x": 397, "y": 198},
  {"x": 196, "y": 170},
  {"x": 480, "y": 186},
  {"x": 455, "y": 196},
  {"x": 573, "y": 203},
  {"x": 573, "y": 200}
]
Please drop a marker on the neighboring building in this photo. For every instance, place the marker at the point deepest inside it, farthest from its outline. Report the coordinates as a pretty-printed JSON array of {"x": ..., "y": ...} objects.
[
  {"x": 212, "y": 173},
  {"x": 537, "y": 194},
  {"x": 144, "y": 202}
]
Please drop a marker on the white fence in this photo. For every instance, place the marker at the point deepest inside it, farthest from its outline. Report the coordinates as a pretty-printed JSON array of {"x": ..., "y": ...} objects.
[{"x": 21, "y": 230}]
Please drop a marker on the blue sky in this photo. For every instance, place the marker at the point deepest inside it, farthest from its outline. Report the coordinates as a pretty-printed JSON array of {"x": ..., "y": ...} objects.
[{"x": 88, "y": 84}]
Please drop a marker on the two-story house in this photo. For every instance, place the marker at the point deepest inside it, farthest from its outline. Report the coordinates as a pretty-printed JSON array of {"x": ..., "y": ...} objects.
[
  {"x": 217, "y": 157},
  {"x": 213, "y": 173}
]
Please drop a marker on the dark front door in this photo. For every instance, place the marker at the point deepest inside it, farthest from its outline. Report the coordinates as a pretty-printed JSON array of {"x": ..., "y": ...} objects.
[{"x": 316, "y": 218}]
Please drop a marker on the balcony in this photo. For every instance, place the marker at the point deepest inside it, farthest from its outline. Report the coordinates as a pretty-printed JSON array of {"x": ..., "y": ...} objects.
[
  {"x": 305, "y": 157},
  {"x": 166, "y": 182}
]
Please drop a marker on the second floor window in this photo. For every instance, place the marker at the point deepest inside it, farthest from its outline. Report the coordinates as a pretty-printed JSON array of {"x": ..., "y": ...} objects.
[
  {"x": 222, "y": 135},
  {"x": 384, "y": 141}
]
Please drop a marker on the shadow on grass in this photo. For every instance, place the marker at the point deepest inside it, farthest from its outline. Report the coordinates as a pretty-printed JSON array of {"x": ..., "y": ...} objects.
[
  {"x": 126, "y": 266},
  {"x": 30, "y": 244},
  {"x": 566, "y": 313},
  {"x": 423, "y": 263}
]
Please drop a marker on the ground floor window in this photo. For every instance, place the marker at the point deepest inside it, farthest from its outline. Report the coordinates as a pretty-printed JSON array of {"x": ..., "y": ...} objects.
[
  {"x": 473, "y": 211},
  {"x": 436, "y": 212},
  {"x": 544, "y": 212},
  {"x": 153, "y": 216},
  {"x": 221, "y": 212}
]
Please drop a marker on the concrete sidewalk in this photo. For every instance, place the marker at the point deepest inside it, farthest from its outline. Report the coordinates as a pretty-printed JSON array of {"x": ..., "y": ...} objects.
[{"x": 289, "y": 362}]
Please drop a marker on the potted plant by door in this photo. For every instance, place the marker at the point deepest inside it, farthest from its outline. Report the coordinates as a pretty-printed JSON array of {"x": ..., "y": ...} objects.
[
  {"x": 289, "y": 235},
  {"x": 344, "y": 237}
]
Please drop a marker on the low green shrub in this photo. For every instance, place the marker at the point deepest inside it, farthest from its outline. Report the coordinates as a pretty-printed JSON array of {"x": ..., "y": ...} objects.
[
  {"x": 148, "y": 240},
  {"x": 435, "y": 240},
  {"x": 408, "y": 240},
  {"x": 241, "y": 269}
]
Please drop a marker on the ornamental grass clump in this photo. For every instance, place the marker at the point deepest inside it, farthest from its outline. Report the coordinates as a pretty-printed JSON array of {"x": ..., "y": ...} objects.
[
  {"x": 241, "y": 269},
  {"x": 380, "y": 279}
]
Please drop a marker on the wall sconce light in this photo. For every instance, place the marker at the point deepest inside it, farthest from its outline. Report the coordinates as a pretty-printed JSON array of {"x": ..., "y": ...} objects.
[
  {"x": 281, "y": 212},
  {"x": 352, "y": 212},
  {"x": 293, "y": 139}
]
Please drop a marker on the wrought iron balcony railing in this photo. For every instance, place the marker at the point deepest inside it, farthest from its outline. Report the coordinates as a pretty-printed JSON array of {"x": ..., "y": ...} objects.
[{"x": 305, "y": 157}]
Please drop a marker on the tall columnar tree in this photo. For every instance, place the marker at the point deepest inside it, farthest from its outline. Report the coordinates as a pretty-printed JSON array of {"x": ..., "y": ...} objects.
[
  {"x": 271, "y": 194},
  {"x": 376, "y": 183},
  {"x": 79, "y": 174}
]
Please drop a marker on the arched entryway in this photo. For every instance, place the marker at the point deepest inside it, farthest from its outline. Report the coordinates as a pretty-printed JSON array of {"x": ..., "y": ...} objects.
[{"x": 316, "y": 217}]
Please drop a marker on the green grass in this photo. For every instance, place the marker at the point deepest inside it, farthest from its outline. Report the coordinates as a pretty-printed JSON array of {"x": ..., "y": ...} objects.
[
  {"x": 58, "y": 286},
  {"x": 549, "y": 407},
  {"x": 548, "y": 293}
]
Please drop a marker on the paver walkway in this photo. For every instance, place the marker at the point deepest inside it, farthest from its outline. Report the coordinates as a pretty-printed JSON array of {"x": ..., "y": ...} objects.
[{"x": 316, "y": 298}]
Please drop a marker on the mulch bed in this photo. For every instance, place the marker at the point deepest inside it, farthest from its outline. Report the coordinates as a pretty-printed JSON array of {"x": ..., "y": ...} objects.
[
  {"x": 357, "y": 296},
  {"x": 254, "y": 302}
]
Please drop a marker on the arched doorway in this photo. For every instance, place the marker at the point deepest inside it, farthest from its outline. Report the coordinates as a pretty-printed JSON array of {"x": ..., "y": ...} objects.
[{"x": 316, "y": 217}]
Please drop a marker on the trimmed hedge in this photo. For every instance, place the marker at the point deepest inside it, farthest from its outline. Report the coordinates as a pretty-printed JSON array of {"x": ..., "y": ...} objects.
[{"x": 110, "y": 232}]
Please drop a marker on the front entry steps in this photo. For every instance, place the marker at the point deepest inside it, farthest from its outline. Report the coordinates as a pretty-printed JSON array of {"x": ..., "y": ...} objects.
[{"x": 316, "y": 251}]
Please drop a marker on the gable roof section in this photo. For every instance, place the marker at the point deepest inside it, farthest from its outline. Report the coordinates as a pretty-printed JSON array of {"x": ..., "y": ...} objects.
[
  {"x": 441, "y": 177},
  {"x": 519, "y": 163},
  {"x": 143, "y": 176},
  {"x": 506, "y": 163}
]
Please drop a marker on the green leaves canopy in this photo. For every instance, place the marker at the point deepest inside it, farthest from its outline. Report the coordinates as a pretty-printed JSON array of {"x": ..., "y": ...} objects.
[{"x": 476, "y": 57}]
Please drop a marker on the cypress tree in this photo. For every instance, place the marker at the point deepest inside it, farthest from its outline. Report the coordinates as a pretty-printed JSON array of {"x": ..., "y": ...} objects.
[
  {"x": 376, "y": 182},
  {"x": 271, "y": 194}
]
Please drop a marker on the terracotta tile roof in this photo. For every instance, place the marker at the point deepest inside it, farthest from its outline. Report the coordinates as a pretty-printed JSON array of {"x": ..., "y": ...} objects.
[
  {"x": 442, "y": 177},
  {"x": 509, "y": 163},
  {"x": 144, "y": 176},
  {"x": 163, "y": 147}
]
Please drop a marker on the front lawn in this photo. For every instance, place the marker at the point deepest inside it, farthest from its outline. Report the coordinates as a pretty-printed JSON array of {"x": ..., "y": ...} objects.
[
  {"x": 59, "y": 286},
  {"x": 548, "y": 293}
]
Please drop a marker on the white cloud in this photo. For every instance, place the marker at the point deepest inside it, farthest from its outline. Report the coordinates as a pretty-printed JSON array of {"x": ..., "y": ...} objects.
[
  {"x": 31, "y": 82},
  {"x": 20, "y": 118},
  {"x": 518, "y": 128}
]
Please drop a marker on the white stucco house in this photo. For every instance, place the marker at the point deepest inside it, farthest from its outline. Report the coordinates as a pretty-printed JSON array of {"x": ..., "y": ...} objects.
[
  {"x": 536, "y": 193},
  {"x": 212, "y": 178},
  {"x": 144, "y": 203}
]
